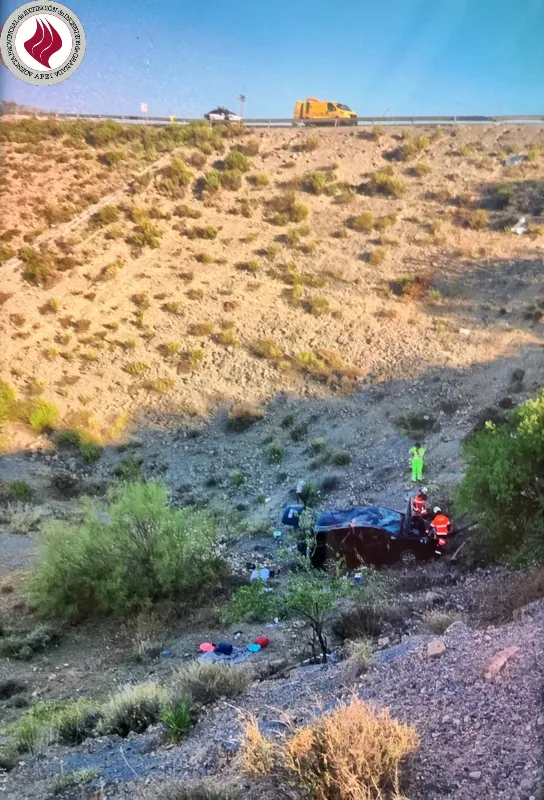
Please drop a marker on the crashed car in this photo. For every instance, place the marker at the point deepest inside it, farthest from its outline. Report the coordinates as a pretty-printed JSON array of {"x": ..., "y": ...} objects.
[
  {"x": 222, "y": 114},
  {"x": 367, "y": 534}
]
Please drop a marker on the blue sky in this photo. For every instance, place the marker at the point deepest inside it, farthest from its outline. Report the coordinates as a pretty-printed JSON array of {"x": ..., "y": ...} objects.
[{"x": 394, "y": 56}]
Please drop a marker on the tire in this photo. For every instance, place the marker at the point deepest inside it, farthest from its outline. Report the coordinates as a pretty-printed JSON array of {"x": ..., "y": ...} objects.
[{"x": 407, "y": 558}]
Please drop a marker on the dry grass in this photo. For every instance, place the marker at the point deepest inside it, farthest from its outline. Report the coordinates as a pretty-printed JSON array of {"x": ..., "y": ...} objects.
[
  {"x": 437, "y": 622},
  {"x": 206, "y": 683},
  {"x": 353, "y": 752},
  {"x": 243, "y": 416}
]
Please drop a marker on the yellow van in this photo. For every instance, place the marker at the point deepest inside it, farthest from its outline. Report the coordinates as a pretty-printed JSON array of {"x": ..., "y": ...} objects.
[{"x": 315, "y": 112}]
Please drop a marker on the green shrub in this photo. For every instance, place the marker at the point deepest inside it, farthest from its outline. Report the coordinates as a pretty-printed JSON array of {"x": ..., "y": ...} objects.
[
  {"x": 363, "y": 222},
  {"x": 39, "y": 266},
  {"x": 377, "y": 257},
  {"x": 478, "y": 220},
  {"x": 250, "y": 603},
  {"x": 129, "y": 470},
  {"x": 421, "y": 170},
  {"x": 212, "y": 181},
  {"x": 413, "y": 146},
  {"x": 319, "y": 305},
  {"x": 133, "y": 709},
  {"x": 90, "y": 452},
  {"x": 105, "y": 216},
  {"x": 111, "y": 157},
  {"x": 251, "y": 147},
  {"x": 136, "y": 367},
  {"x": 275, "y": 453},
  {"x": 178, "y": 718},
  {"x": 51, "y": 722},
  {"x": 501, "y": 488},
  {"x": 79, "y": 777},
  {"x": 188, "y": 212},
  {"x": 236, "y": 160},
  {"x": 317, "y": 182},
  {"x": 231, "y": 179},
  {"x": 310, "y": 144},
  {"x": 20, "y": 490},
  {"x": 172, "y": 180},
  {"x": 386, "y": 182},
  {"x": 341, "y": 459},
  {"x": 381, "y": 223},
  {"x": 267, "y": 348},
  {"x": 24, "y": 644},
  {"x": 287, "y": 209},
  {"x": 209, "y": 232},
  {"x": 206, "y": 683},
  {"x": 259, "y": 179},
  {"x": 237, "y": 478},
  {"x": 43, "y": 415},
  {"x": 145, "y": 553}
]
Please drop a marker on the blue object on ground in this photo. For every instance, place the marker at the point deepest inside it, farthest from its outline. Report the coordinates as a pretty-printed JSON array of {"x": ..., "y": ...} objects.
[
  {"x": 167, "y": 653},
  {"x": 223, "y": 649},
  {"x": 254, "y": 648}
]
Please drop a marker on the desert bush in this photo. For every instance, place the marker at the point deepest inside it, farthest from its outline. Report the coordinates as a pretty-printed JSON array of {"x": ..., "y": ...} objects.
[
  {"x": 176, "y": 790},
  {"x": 412, "y": 146},
  {"x": 252, "y": 266},
  {"x": 319, "y": 305},
  {"x": 129, "y": 470},
  {"x": 202, "y": 329},
  {"x": 173, "y": 179},
  {"x": 243, "y": 415},
  {"x": 54, "y": 722},
  {"x": 437, "y": 622},
  {"x": 259, "y": 179},
  {"x": 377, "y": 257},
  {"x": 501, "y": 487},
  {"x": 145, "y": 552},
  {"x": 197, "y": 159},
  {"x": 110, "y": 158},
  {"x": 386, "y": 182},
  {"x": 20, "y": 490},
  {"x": 421, "y": 170},
  {"x": 275, "y": 453},
  {"x": 287, "y": 209},
  {"x": 310, "y": 144},
  {"x": 39, "y": 266},
  {"x": 381, "y": 223},
  {"x": 134, "y": 708},
  {"x": 147, "y": 233},
  {"x": 317, "y": 182},
  {"x": 228, "y": 338},
  {"x": 105, "y": 216},
  {"x": 231, "y": 179},
  {"x": 353, "y": 751},
  {"x": 266, "y": 348},
  {"x": 179, "y": 717},
  {"x": 238, "y": 161},
  {"x": 26, "y": 643},
  {"x": 207, "y": 683},
  {"x": 212, "y": 181},
  {"x": 478, "y": 219},
  {"x": 187, "y": 212},
  {"x": 414, "y": 287},
  {"x": 363, "y": 222},
  {"x": 42, "y": 415},
  {"x": 209, "y": 232}
]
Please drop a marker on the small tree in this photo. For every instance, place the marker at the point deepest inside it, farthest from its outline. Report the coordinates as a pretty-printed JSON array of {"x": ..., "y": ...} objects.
[{"x": 503, "y": 486}]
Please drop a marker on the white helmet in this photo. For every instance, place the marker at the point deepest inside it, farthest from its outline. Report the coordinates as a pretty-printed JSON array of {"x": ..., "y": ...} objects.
[
  {"x": 424, "y": 490},
  {"x": 437, "y": 510}
]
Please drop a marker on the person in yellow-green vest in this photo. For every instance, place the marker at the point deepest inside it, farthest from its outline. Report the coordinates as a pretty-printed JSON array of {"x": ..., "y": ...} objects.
[{"x": 417, "y": 454}]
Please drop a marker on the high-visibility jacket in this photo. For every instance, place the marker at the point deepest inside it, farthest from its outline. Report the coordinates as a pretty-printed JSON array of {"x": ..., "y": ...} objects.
[
  {"x": 418, "y": 505},
  {"x": 441, "y": 525}
]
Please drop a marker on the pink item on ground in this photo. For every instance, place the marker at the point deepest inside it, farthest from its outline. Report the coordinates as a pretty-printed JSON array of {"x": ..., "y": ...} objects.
[{"x": 206, "y": 647}]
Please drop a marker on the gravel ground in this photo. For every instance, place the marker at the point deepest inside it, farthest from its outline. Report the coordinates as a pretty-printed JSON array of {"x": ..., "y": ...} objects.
[{"x": 479, "y": 738}]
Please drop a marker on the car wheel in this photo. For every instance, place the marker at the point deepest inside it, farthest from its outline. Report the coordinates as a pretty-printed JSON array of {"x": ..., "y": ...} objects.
[{"x": 407, "y": 558}]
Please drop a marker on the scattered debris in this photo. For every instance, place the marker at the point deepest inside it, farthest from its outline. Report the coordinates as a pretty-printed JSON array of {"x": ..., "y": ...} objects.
[{"x": 498, "y": 662}]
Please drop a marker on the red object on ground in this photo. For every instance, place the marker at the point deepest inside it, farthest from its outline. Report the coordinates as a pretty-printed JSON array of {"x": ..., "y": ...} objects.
[
  {"x": 264, "y": 641},
  {"x": 207, "y": 647}
]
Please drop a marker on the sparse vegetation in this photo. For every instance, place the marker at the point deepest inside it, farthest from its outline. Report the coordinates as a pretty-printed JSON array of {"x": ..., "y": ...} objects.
[
  {"x": 363, "y": 222},
  {"x": 267, "y": 348},
  {"x": 386, "y": 182},
  {"x": 206, "y": 683}
]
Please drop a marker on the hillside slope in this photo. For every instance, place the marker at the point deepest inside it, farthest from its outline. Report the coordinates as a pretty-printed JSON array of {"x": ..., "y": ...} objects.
[{"x": 157, "y": 302}]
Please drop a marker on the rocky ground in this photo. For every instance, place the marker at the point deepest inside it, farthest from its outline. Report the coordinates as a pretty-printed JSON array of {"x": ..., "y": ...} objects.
[{"x": 474, "y": 697}]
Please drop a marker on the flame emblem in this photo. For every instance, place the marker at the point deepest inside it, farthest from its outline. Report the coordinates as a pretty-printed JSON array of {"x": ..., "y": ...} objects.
[{"x": 45, "y": 42}]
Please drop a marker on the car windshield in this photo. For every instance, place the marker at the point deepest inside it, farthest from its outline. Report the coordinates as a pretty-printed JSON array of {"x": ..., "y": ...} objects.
[{"x": 343, "y": 107}]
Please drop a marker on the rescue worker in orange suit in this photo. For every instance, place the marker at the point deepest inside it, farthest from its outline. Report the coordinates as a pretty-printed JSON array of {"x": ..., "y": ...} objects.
[
  {"x": 420, "y": 510},
  {"x": 440, "y": 526}
]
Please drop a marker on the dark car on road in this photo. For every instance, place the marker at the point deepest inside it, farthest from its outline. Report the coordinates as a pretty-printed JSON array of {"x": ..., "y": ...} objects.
[{"x": 366, "y": 534}]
